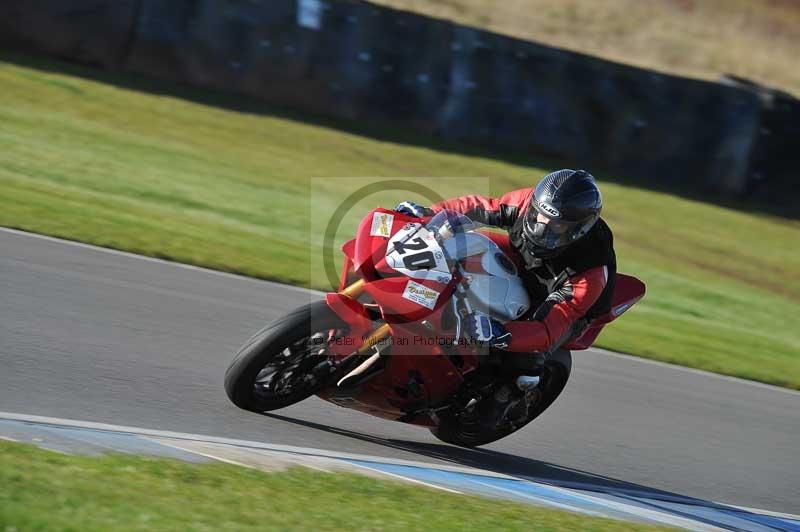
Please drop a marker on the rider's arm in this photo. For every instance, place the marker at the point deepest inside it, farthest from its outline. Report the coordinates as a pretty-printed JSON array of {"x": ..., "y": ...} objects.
[
  {"x": 497, "y": 212},
  {"x": 559, "y": 311}
]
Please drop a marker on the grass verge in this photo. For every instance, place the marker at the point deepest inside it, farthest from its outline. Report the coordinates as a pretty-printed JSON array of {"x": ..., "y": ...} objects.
[
  {"x": 105, "y": 163},
  {"x": 43, "y": 490}
]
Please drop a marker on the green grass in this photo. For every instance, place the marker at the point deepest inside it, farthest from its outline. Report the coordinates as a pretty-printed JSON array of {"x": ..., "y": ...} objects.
[
  {"x": 167, "y": 177},
  {"x": 42, "y": 490}
]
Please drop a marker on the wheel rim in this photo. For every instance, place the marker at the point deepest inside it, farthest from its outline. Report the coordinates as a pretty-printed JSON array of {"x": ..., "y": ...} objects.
[
  {"x": 472, "y": 428},
  {"x": 289, "y": 373}
]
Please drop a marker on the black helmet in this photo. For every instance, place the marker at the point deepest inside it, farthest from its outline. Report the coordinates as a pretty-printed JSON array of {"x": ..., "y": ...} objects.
[{"x": 564, "y": 207}]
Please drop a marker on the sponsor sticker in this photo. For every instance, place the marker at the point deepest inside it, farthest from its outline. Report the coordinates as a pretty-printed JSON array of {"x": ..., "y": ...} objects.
[
  {"x": 421, "y": 294},
  {"x": 382, "y": 224}
]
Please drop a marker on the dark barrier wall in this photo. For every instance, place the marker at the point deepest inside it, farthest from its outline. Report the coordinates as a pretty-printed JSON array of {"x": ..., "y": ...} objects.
[
  {"x": 97, "y": 32},
  {"x": 359, "y": 61}
]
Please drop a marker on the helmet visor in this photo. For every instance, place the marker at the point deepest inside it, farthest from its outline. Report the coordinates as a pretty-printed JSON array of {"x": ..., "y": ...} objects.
[{"x": 549, "y": 233}]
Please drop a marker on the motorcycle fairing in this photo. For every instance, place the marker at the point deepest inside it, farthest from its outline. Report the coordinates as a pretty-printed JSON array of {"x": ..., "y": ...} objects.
[
  {"x": 627, "y": 291},
  {"x": 415, "y": 377},
  {"x": 370, "y": 248},
  {"x": 399, "y": 307},
  {"x": 355, "y": 315}
]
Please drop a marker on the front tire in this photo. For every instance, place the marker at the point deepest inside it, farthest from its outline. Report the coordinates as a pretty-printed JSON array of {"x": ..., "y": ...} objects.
[
  {"x": 272, "y": 369},
  {"x": 462, "y": 432}
]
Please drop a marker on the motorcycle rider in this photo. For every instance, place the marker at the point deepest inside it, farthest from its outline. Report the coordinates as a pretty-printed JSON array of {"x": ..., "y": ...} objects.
[{"x": 569, "y": 263}]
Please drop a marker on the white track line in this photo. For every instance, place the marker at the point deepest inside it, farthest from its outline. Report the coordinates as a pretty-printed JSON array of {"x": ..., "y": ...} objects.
[
  {"x": 206, "y": 455},
  {"x": 407, "y": 479},
  {"x": 219, "y": 458},
  {"x": 768, "y": 513},
  {"x": 315, "y": 292}
]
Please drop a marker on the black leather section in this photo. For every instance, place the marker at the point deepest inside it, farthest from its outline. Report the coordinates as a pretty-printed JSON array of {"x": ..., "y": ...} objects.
[
  {"x": 593, "y": 250},
  {"x": 503, "y": 218},
  {"x": 508, "y": 215}
]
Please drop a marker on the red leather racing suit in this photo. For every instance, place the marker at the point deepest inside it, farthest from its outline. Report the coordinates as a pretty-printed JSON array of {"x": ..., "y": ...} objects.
[{"x": 575, "y": 284}]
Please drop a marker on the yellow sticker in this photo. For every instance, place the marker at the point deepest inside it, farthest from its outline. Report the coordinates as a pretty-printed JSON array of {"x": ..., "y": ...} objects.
[
  {"x": 421, "y": 294},
  {"x": 382, "y": 224}
]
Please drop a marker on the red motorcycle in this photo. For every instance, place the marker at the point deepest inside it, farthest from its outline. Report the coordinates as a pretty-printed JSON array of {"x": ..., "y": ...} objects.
[{"x": 391, "y": 343}]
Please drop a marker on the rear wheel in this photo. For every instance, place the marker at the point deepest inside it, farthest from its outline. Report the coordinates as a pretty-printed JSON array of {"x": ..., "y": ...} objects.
[
  {"x": 274, "y": 368},
  {"x": 471, "y": 430}
]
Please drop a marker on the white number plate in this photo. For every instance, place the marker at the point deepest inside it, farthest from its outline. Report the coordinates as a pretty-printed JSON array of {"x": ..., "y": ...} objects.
[{"x": 414, "y": 251}]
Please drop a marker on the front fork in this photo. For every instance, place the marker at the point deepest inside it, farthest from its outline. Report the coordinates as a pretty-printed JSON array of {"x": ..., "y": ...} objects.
[
  {"x": 349, "y": 365},
  {"x": 345, "y": 304}
]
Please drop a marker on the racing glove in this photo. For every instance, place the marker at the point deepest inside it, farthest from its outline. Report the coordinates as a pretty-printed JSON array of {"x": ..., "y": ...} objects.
[
  {"x": 410, "y": 208},
  {"x": 487, "y": 330}
]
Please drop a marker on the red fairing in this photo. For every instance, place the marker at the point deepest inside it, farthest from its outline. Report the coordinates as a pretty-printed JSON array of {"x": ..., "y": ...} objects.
[
  {"x": 370, "y": 247},
  {"x": 554, "y": 318},
  {"x": 627, "y": 291},
  {"x": 392, "y": 290},
  {"x": 350, "y": 311},
  {"x": 349, "y": 250},
  {"x": 418, "y": 371},
  {"x": 396, "y": 308}
]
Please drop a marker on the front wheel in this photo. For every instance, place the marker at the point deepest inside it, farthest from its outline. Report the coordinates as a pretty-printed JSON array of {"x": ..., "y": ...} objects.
[
  {"x": 274, "y": 368},
  {"x": 468, "y": 431}
]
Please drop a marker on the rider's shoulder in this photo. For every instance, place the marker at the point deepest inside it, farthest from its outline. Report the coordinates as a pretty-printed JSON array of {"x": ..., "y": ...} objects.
[{"x": 520, "y": 197}]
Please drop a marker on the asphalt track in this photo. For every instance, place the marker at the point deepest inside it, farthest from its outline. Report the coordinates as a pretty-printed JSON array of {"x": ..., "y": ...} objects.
[{"x": 91, "y": 335}]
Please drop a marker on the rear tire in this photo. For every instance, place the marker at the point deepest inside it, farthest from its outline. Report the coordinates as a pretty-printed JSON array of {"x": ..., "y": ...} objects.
[
  {"x": 266, "y": 348},
  {"x": 455, "y": 431}
]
